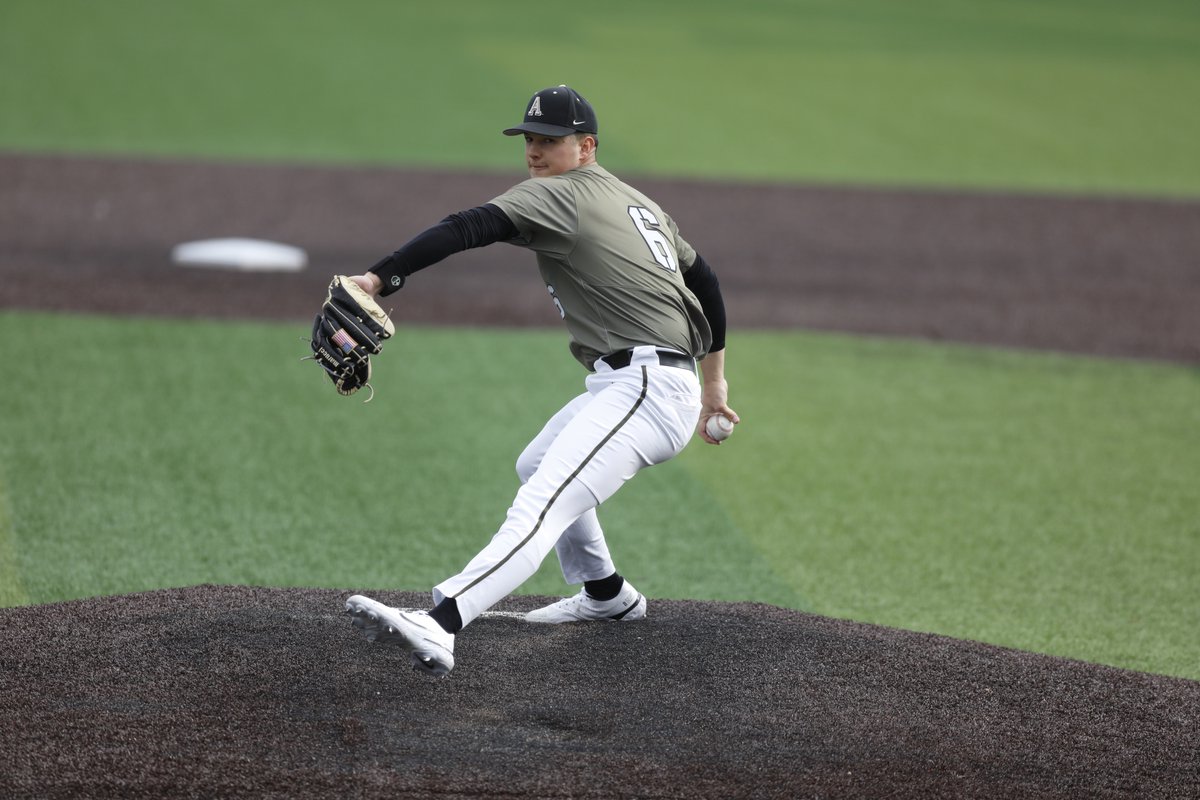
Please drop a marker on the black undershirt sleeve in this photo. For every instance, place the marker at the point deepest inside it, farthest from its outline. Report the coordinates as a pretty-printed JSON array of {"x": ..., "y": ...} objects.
[
  {"x": 462, "y": 230},
  {"x": 702, "y": 282}
]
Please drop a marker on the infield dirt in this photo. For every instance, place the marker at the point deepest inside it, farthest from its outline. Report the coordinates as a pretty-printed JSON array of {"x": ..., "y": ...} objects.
[
  {"x": 1105, "y": 276},
  {"x": 257, "y": 692}
]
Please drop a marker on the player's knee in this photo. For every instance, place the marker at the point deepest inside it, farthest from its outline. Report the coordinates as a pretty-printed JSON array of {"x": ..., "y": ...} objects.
[{"x": 527, "y": 464}]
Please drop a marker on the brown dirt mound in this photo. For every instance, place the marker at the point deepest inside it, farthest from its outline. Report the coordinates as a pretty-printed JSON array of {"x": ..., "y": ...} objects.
[{"x": 242, "y": 692}]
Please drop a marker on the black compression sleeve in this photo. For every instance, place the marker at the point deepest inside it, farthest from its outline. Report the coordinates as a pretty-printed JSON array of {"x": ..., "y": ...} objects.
[
  {"x": 463, "y": 230},
  {"x": 702, "y": 281}
]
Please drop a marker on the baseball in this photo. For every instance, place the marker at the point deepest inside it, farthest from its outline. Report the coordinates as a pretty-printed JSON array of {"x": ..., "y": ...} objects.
[{"x": 718, "y": 427}]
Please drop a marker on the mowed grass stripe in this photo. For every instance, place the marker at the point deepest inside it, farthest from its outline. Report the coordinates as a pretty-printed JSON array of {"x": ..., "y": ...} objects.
[{"x": 1073, "y": 95}]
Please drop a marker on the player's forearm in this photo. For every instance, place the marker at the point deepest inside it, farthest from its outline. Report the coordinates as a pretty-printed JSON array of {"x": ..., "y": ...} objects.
[
  {"x": 474, "y": 227},
  {"x": 714, "y": 387},
  {"x": 427, "y": 247},
  {"x": 712, "y": 367},
  {"x": 714, "y": 395}
]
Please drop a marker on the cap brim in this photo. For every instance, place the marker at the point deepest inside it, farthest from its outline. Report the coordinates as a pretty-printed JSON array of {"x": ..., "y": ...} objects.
[{"x": 541, "y": 129}]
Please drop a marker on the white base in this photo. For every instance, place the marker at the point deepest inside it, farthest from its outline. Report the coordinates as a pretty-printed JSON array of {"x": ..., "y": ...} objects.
[{"x": 250, "y": 255}]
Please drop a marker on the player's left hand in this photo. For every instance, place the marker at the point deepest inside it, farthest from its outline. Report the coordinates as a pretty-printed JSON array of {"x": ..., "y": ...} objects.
[
  {"x": 369, "y": 282},
  {"x": 349, "y": 329}
]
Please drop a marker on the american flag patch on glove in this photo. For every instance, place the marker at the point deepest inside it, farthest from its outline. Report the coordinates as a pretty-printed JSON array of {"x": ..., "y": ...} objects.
[{"x": 343, "y": 340}]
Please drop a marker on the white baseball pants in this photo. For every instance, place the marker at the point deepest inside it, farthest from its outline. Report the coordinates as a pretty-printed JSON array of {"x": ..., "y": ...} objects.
[{"x": 629, "y": 418}]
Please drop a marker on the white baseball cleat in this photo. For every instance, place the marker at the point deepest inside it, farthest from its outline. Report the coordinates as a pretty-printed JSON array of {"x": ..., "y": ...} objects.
[
  {"x": 627, "y": 606},
  {"x": 430, "y": 647}
]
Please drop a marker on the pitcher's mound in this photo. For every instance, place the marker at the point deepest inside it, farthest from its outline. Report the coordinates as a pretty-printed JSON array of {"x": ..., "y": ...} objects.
[{"x": 247, "y": 692}]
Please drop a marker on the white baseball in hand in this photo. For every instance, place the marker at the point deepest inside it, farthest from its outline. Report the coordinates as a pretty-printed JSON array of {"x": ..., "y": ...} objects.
[{"x": 718, "y": 427}]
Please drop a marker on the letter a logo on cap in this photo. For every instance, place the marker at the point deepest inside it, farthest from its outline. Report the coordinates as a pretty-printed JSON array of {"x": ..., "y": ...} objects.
[{"x": 535, "y": 110}]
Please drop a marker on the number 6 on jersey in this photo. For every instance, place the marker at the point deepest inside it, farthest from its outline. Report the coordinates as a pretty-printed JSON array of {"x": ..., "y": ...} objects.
[{"x": 650, "y": 229}]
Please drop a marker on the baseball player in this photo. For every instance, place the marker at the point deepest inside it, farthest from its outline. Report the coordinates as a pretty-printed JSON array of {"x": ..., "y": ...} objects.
[{"x": 641, "y": 307}]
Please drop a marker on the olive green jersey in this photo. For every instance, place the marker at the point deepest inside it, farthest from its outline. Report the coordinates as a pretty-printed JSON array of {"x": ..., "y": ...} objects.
[{"x": 612, "y": 261}]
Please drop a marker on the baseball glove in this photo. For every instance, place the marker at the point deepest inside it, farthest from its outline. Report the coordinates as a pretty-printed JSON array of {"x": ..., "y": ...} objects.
[{"x": 349, "y": 330}]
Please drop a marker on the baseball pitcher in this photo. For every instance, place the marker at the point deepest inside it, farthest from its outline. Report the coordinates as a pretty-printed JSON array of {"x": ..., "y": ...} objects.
[{"x": 641, "y": 307}]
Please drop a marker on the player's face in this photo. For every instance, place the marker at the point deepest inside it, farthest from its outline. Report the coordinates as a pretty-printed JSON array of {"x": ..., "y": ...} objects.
[{"x": 551, "y": 155}]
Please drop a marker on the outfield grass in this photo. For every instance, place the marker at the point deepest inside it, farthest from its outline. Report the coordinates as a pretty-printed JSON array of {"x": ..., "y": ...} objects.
[
  {"x": 1069, "y": 95},
  {"x": 1038, "y": 501}
]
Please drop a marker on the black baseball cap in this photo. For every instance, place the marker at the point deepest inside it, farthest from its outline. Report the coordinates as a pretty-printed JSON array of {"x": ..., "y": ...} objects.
[{"x": 557, "y": 111}]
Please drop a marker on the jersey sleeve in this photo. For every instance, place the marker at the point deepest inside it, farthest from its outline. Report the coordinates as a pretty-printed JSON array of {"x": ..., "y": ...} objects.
[{"x": 544, "y": 212}]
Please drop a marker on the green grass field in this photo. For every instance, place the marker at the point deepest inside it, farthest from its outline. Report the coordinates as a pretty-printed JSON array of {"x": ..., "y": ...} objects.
[
  {"x": 1069, "y": 94},
  {"x": 1038, "y": 501}
]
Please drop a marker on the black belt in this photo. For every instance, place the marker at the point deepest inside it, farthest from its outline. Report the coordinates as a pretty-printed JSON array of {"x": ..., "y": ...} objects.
[{"x": 621, "y": 359}]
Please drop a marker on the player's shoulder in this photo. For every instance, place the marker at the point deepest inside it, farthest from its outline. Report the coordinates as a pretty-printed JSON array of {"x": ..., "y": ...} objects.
[
  {"x": 566, "y": 190},
  {"x": 542, "y": 187}
]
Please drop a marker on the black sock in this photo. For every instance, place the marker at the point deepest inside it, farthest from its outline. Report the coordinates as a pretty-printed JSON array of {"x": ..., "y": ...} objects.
[
  {"x": 446, "y": 614},
  {"x": 605, "y": 588}
]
